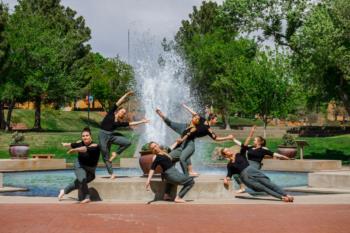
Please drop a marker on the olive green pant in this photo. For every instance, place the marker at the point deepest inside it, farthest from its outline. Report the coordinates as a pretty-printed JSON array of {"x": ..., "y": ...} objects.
[
  {"x": 252, "y": 163},
  {"x": 259, "y": 182},
  {"x": 184, "y": 152},
  {"x": 174, "y": 177},
  {"x": 106, "y": 139},
  {"x": 84, "y": 175}
]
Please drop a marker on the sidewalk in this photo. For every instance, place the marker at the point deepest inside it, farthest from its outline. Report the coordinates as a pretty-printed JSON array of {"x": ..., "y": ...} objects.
[{"x": 123, "y": 218}]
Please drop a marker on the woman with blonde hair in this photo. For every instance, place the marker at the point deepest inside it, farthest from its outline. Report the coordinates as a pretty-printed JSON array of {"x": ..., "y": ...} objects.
[
  {"x": 170, "y": 174},
  {"x": 250, "y": 175}
]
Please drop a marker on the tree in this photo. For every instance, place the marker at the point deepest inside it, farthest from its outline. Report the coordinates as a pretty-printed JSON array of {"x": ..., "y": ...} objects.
[
  {"x": 265, "y": 87},
  {"x": 46, "y": 41},
  {"x": 4, "y": 51},
  {"x": 276, "y": 19},
  {"x": 323, "y": 56},
  {"x": 110, "y": 79},
  {"x": 215, "y": 67},
  {"x": 207, "y": 44}
]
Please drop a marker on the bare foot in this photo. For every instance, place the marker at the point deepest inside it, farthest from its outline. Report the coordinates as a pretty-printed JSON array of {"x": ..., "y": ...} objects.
[
  {"x": 241, "y": 190},
  {"x": 291, "y": 199},
  {"x": 226, "y": 186},
  {"x": 286, "y": 199},
  {"x": 87, "y": 200},
  {"x": 193, "y": 174},
  {"x": 167, "y": 197},
  {"x": 113, "y": 177},
  {"x": 160, "y": 113},
  {"x": 113, "y": 156},
  {"x": 179, "y": 200},
  {"x": 60, "y": 195}
]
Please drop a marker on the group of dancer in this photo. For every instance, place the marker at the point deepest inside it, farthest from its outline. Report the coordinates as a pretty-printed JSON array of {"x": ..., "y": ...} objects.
[{"x": 244, "y": 166}]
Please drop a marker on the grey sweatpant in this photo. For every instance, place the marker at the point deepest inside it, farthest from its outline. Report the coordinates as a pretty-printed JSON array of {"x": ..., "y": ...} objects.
[
  {"x": 187, "y": 148},
  {"x": 106, "y": 139},
  {"x": 259, "y": 182},
  {"x": 174, "y": 177},
  {"x": 84, "y": 175},
  {"x": 252, "y": 163}
]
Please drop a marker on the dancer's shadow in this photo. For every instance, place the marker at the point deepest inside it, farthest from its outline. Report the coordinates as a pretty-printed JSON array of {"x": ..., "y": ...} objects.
[
  {"x": 170, "y": 201},
  {"x": 256, "y": 198},
  {"x": 118, "y": 177},
  {"x": 158, "y": 188}
]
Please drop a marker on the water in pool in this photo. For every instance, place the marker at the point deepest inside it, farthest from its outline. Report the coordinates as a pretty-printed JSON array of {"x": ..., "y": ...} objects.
[{"x": 48, "y": 183}]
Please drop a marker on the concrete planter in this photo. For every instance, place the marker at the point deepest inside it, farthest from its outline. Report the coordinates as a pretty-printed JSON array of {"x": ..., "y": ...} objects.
[
  {"x": 145, "y": 161},
  {"x": 19, "y": 151},
  {"x": 289, "y": 151}
]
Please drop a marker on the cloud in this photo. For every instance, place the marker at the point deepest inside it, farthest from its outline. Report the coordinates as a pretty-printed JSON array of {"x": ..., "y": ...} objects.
[{"x": 110, "y": 20}]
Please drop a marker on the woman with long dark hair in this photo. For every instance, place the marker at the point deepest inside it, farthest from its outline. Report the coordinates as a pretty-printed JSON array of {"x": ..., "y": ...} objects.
[{"x": 84, "y": 166}]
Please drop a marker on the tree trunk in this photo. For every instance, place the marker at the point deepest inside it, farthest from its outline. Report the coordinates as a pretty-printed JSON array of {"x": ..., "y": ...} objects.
[
  {"x": 37, "y": 117},
  {"x": 344, "y": 95},
  {"x": 2, "y": 116},
  {"x": 75, "y": 104},
  {"x": 9, "y": 115},
  {"x": 265, "y": 126},
  {"x": 225, "y": 120},
  {"x": 345, "y": 99}
]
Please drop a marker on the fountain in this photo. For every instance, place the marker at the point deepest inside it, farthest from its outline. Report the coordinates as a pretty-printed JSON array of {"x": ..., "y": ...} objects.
[{"x": 159, "y": 84}]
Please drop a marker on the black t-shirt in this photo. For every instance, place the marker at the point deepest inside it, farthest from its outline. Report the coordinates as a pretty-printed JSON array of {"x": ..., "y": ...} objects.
[
  {"x": 90, "y": 157},
  {"x": 162, "y": 160},
  {"x": 201, "y": 130},
  {"x": 256, "y": 154},
  {"x": 237, "y": 166},
  {"x": 109, "y": 124}
]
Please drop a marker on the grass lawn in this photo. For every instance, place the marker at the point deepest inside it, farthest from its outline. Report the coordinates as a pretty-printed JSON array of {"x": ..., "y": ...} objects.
[
  {"x": 337, "y": 147},
  {"x": 238, "y": 121},
  {"x": 55, "y": 120},
  {"x": 50, "y": 143},
  {"x": 61, "y": 126}
]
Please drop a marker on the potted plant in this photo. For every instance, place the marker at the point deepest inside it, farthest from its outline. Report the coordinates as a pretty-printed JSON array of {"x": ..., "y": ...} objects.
[
  {"x": 18, "y": 148},
  {"x": 289, "y": 147},
  {"x": 145, "y": 160}
]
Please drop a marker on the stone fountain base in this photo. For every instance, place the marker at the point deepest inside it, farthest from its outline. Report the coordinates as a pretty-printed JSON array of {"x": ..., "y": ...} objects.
[
  {"x": 133, "y": 189},
  {"x": 129, "y": 162},
  {"x": 31, "y": 164},
  {"x": 305, "y": 165}
]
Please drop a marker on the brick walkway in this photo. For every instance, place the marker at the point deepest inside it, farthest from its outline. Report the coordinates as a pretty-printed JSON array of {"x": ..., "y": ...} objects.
[{"x": 182, "y": 218}]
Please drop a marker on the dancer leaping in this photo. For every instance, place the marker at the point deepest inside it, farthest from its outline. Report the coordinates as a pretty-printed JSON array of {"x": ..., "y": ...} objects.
[{"x": 112, "y": 121}]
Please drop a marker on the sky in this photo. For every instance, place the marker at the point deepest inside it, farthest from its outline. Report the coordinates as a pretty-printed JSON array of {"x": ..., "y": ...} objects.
[{"x": 110, "y": 20}]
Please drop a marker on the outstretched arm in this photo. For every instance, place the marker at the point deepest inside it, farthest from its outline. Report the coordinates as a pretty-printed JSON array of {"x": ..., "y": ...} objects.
[
  {"x": 143, "y": 121},
  {"x": 228, "y": 137},
  {"x": 277, "y": 155},
  {"x": 251, "y": 133},
  {"x": 68, "y": 145},
  {"x": 189, "y": 109},
  {"x": 77, "y": 150},
  {"x": 150, "y": 174},
  {"x": 237, "y": 142},
  {"x": 123, "y": 98},
  {"x": 148, "y": 182}
]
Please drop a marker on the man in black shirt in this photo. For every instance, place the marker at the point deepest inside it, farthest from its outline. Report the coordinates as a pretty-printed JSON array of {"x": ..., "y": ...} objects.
[
  {"x": 112, "y": 121},
  {"x": 85, "y": 165},
  {"x": 170, "y": 173}
]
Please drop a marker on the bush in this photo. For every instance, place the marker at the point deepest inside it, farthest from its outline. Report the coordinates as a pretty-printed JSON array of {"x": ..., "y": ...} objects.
[{"x": 319, "y": 131}]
